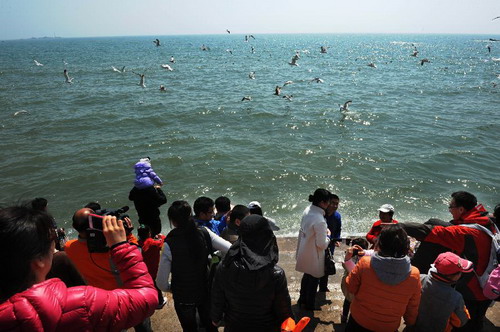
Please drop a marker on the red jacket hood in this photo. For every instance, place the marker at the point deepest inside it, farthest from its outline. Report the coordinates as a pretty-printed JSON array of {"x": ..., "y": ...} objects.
[{"x": 477, "y": 215}]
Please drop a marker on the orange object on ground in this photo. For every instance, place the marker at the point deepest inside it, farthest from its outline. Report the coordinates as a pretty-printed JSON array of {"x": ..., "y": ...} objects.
[{"x": 290, "y": 326}]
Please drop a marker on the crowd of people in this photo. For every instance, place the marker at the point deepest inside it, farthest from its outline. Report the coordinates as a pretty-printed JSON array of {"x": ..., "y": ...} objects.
[{"x": 219, "y": 261}]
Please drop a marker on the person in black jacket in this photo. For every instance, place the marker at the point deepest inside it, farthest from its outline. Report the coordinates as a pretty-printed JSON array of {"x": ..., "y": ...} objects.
[
  {"x": 147, "y": 202},
  {"x": 250, "y": 291}
]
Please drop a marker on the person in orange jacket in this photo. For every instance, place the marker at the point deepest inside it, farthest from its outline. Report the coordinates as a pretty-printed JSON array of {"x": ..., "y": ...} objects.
[{"x": 385, "y": 286}]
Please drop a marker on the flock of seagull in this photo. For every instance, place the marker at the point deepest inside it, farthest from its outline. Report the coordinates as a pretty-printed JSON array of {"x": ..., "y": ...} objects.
[{"x": 278, "y": 89}]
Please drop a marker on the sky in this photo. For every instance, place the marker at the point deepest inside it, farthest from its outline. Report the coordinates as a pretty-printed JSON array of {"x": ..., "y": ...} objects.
[{"x": 95, "y": 18}]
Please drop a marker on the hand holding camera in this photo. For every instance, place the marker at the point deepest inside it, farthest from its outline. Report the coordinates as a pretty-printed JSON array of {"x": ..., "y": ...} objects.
[
  {"x": 113, "y": 230},
  {"x": 355, "y": 250}
]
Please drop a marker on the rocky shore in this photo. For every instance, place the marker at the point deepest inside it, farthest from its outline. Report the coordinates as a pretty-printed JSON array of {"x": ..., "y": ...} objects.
[{"x": 326, "y": 319}]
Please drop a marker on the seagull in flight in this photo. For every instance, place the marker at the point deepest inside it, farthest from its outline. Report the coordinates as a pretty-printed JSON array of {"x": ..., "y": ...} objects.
[
  {"x": 371, "y": 64},
  {"x": 324, "y": 49},
  {"x": 66, "y": 76},
  {"x": 118, "y": 70},
  {"x": 143, "y": 79},
  {"x": 277, "y": 90},
  {"x": 251, "y": 75},
  {"x": 288, "y": 97},
  {"x": 294, "y": 60},
  {"x": 167, "y": 67},
  {"x": 21, "y": 112},
  {"x": 227, "y": 30},
  {"x": 317, "y": 80},
  {"x": 287, "y": 82},
  {"x": 345, "y": 107},
  {"x": 424, "y": 61},
  {"x": 249, "y": 98},
  {"x": 172, "y": 59},
  {"x": 38, "y": 63},
  {"x": 157, "y": 42},
  {"x": 495, "y": 18}
]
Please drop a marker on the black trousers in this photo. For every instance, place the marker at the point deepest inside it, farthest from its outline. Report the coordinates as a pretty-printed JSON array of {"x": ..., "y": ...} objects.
[
  {"x": 308, "y": 289},
  {"x": 353, "y": 326},
  {"x": 477, "y": 311},
  {"x": 187, "y": 316}
]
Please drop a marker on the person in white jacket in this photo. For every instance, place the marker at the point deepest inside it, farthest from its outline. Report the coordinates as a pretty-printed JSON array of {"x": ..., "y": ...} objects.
[{"x": 312, "y": 242}]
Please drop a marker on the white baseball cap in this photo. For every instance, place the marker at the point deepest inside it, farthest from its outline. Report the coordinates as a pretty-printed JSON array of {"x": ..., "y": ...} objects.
[{"x": 386, "y": 208}]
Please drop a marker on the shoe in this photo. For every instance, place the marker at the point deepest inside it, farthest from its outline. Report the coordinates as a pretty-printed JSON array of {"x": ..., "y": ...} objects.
[{"x": 161, "y": 305}]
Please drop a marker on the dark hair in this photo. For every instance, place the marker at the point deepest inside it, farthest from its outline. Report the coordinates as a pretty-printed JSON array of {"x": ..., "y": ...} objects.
[
  {"x": 496, "y": 211},
  {"x": 25, "y": 234},
  {"x": 222, "y": 204},
  {"x": 202, "y": 205},
  {"x": 93, "y": 206},
  {"x": 143, "y": 232},
  {"x": 238, "y": 212},
  {"x": 393, "y": 241},
  {"x": 464, "y": 199},
  {"x": 180, "y": 214},
  {"x": 360, "y": 241},
  {"x": 320, "y": 195},
  {"x": 256, "y": 210},
  {"x": 333, "y": 196},
  {"x": 39, "y": 204}
]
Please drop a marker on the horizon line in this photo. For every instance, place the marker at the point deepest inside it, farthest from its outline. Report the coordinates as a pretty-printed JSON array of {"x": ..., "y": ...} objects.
[{"x": 265, "y": 33}]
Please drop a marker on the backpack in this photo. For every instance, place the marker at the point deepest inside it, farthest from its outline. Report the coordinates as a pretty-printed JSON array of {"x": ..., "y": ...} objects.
[
  {"x": 492, "y": 287},
  {"x": 490, "y": 279}
]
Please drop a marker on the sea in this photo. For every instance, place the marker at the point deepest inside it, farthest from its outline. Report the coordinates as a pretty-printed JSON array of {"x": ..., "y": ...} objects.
[{"x": 414, "y": 133}]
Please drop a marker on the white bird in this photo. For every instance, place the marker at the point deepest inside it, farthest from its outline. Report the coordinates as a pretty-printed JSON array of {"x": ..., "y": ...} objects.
[
  {"x": 118, "y": 70},
  {"x": 172, "y": 59},
  {"x": 495, "y": 59},
  {"x": 21, "y": 112},
  {"x": 287, "y": 82},
  {"x": 142, "y": 83},
  {"x": 277, "y": 90},
  {"x": 345, "y": 107},
  {"x": 317, "y": 80},
  {"x": 38, "y": 63},
  {"x": 246, "y": 98},
  {"x": 294, "y": 60},
  {"x": 324, "y": 49},
  {"x": 371, "y": 64},
  {"x": 289, "y": 97},
  {"x": 495, "y": 18},
  {"x": 251, "y": 75},
  {"x": 157, "y": 42},
  {"x": 167, "y": 67},
  {"x": 66, "y": 76}
]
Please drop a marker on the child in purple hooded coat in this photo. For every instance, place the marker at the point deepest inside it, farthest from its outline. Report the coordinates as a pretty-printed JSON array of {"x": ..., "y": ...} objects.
[{"x": 145, "y": 176}]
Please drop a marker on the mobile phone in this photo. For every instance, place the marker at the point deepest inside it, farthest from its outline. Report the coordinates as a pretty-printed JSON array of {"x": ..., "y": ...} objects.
[{"x": 95, "y": 221}]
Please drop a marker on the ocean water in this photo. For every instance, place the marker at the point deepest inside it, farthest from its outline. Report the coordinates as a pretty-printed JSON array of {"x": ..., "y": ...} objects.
[{"x": 412, "y": 135}]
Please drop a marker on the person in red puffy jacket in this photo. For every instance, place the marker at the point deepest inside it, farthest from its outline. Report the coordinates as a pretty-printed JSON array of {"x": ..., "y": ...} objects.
[{"x": 28, "y": 302}]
